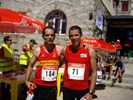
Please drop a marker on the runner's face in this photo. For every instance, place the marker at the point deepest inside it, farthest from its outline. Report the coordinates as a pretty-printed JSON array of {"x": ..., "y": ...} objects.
[
  {"x": 49, "y": 36},
  {"x": 75, "y": 37}
]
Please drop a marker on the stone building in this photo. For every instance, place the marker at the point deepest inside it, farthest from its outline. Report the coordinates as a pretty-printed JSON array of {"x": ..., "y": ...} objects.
[
  {"x": 120, "y": 26},
  {"x": 77, "y": 12}
]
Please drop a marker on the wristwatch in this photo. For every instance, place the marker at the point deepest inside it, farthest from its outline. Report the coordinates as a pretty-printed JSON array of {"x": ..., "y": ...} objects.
[{"x": 91, "y": 92}]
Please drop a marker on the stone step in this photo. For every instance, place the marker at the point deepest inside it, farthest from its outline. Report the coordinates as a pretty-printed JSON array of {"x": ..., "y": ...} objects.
[
  {"x": 125, "y": 75},
  {"x": 123, "y": 85},
  {"x": 127, "y": 81},
  {"x": 128, "y": 76}
]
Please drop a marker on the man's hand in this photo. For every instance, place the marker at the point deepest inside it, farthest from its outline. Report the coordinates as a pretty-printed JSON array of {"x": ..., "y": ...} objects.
[
  {"x": 87, "y": 46},
  {"x": 29, "y": 84},
  {"x": 87, "y": 96}
]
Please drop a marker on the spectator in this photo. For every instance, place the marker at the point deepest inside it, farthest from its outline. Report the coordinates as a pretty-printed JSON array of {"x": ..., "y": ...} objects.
[
  {"x": 6, "y": 65},
  {"x": 126, "y": 49},
  {"x": 107, "y": 67},
  {"x": 118, "y": 48},
  {"x": 120, "y": 69},
  {"x": 26, "y": 54},
  {"x": 113, "y": 54}
]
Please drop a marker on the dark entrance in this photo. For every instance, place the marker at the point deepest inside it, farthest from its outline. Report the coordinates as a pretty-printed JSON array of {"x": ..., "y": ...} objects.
[{"x": 120, "y": 27}]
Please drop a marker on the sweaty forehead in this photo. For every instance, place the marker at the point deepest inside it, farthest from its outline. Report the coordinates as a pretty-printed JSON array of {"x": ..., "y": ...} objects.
[
  {"x": 74, "y": 31},
  {"x": 49, "y": 31}
]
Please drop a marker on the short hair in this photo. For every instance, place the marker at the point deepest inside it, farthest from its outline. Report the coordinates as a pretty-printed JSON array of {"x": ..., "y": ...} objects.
[
  {"x": 119, "y": 56},
  {"x": 118, "y": 40},
  {"x": 75, "y": 28},
  {"x": 6, "y": 38},
  {"x": 47, "y": 27}
]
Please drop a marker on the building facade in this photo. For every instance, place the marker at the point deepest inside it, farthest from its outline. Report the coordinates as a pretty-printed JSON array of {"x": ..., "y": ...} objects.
[
  {"x": 75, "y": 12},
  {"x": 62, "y": 14},
  {"x": 120, "y": 26}
]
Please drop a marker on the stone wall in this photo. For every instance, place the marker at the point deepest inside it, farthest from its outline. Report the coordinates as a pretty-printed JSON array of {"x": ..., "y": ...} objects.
[{"x": 77, "y": 12}]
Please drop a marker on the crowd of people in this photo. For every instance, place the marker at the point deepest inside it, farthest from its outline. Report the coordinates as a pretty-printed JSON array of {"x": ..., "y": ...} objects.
[
  {"x": 125, "y": 46},
  {"x": 80, "y": 60},
  {"x": 111, "y": 65},
  {"x": 7, "y": 64}
]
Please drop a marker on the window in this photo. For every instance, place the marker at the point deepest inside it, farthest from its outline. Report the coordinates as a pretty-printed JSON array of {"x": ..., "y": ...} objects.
[
  {"x": 124, "y": 6},
  {"x": 57, "y": 19}
]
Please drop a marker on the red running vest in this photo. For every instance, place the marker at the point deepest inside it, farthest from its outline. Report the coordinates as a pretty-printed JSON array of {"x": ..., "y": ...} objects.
[
  {"x": 81, "y": 57},
  {"x": 46, "y": 59}
]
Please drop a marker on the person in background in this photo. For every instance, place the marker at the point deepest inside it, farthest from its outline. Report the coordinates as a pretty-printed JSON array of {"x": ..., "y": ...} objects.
[
  {"x": 80, "y": 64},
  {"x": 118, "y": 48},
  {"x": 107, "y": 67},
  {"x": 26, "y": 54},
  {"x": 6, "y": 65},
  {"x": 120, "y": 69},
  {"x": 113, "y": 55},
  {"x": 126, "y": 49},
  {"x": 113, "y": 43},
  {"x": 47, "y": 58}
]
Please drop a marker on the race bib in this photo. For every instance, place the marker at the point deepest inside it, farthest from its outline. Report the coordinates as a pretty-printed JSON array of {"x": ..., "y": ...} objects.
[
  {"x": 49, "y": 73},
  {"x": 76, "y": 71}
]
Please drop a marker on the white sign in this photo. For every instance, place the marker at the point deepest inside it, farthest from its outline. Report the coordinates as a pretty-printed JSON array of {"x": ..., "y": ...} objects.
[{"x": 99, "y": 20}]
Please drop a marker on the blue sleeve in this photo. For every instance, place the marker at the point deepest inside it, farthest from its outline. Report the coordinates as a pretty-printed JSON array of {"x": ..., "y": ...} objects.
[{"x": 123, "y": 65}]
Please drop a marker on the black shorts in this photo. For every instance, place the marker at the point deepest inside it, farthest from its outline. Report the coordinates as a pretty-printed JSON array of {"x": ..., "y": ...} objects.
[
  {"x": 69, "y": 94},
  {"x": 108, "y": 68},
  {"x": 119, "y": 64},
  {"x": 45, "y": 93}
]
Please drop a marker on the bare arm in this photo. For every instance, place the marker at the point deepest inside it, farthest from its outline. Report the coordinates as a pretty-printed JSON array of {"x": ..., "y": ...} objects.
[
  {"x": 88, "y": 96},
  {"x": 93, "y": 68},
  {"x": 62, "y": 57},
  {"x": 27, "y": 49},
  {"x": 30, "y": 67},
  {"x": 101, "y": 59}
]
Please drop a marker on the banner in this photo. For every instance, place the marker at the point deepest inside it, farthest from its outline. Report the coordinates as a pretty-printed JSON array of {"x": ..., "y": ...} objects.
[{"x": 99, "y": 20}]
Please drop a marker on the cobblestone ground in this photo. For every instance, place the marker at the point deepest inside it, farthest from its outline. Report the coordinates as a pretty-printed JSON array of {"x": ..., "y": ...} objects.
[{"x": 112, "y": 93}]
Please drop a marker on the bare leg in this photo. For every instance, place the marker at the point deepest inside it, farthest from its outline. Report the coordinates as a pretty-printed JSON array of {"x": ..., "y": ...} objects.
[
  {"x": 104, "y": 75},
  {"x": 110, "y": 71},
  {"x": 120, "y": 74},
  {"x": 119, "y": 71},
  {"x": 115, "y": 79}
]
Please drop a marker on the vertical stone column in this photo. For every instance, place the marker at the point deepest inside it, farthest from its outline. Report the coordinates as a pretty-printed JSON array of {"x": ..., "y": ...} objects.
[{"x": 131, "y": 7}]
